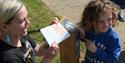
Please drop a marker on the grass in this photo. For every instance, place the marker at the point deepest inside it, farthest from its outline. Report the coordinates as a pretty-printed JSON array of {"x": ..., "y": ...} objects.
[{"x": 39, "y": 16}]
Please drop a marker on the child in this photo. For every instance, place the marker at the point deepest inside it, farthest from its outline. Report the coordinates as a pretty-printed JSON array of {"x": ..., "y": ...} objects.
[{"x": 102, "y": 42}]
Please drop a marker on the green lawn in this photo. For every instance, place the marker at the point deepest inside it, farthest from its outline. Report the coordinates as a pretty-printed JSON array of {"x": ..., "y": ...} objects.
[{"x": 39, "y": 16}]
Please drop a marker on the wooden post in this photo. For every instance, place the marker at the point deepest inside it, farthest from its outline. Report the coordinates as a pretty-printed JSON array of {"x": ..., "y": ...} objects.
[{"x": 69, "y": 49}]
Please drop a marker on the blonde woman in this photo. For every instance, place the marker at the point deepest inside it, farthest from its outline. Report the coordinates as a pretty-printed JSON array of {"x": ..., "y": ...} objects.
[{"x": 15, "y": 45}]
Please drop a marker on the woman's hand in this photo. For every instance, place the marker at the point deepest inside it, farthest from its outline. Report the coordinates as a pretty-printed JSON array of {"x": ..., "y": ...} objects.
[
  {"x": 90, "y": 45},
  {"x": 55, "y": 20},
  {"x": 51, "y": 52}
]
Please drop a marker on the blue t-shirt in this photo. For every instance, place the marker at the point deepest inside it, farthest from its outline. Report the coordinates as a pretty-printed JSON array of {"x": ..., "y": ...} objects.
[{"x": 108, "y": 47}]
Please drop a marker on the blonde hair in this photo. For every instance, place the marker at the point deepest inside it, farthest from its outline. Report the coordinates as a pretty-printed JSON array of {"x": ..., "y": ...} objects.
[{"x": 8, "y": 8}]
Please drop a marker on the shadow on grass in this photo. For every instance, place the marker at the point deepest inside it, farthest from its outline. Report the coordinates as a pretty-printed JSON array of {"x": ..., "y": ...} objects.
[{"x": 122, "y": 57}]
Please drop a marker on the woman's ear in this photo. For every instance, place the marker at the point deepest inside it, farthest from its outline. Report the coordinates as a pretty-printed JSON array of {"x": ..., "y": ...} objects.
[{"x": 4, "y": 27}]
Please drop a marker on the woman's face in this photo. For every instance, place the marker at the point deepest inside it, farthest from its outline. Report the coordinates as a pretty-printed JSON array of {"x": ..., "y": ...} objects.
[
  {"x": 20, "y": 23},
  {"x": 105, "y": 21}
]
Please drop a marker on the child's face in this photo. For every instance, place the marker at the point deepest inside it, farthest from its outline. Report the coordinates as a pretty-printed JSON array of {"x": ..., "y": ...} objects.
[{"x": 105, "y": 21}]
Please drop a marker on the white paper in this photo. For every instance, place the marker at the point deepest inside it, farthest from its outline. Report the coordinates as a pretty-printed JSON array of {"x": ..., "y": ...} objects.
[{"x": 55, "y": 33}]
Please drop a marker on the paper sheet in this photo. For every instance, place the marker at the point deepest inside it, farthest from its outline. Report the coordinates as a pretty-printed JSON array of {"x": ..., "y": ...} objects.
[{"x": 55, "y": 33}]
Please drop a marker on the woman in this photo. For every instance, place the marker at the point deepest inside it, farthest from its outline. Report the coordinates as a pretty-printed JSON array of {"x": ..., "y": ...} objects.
[{"x": 15, "y": 45}]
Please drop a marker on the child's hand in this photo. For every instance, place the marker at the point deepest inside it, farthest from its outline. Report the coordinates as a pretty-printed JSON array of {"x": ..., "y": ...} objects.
[
  {"x": 82, "y": 33},
  {"x": 90, "y": 45}
]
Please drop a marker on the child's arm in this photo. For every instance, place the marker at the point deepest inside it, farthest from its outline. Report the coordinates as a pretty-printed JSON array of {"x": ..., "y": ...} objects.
[
  {"x": 112, "y": 52},
  {"x": 110, "y": 55}
]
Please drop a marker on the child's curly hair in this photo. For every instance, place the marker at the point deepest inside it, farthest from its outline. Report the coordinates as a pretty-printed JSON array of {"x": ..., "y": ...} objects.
[{"x": 92, "y": 11}]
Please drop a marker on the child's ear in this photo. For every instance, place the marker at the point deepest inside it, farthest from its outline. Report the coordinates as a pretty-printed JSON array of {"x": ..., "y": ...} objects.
[
  {"x": 114, "y": 15},
  {"x": 114, "y": 19}
]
